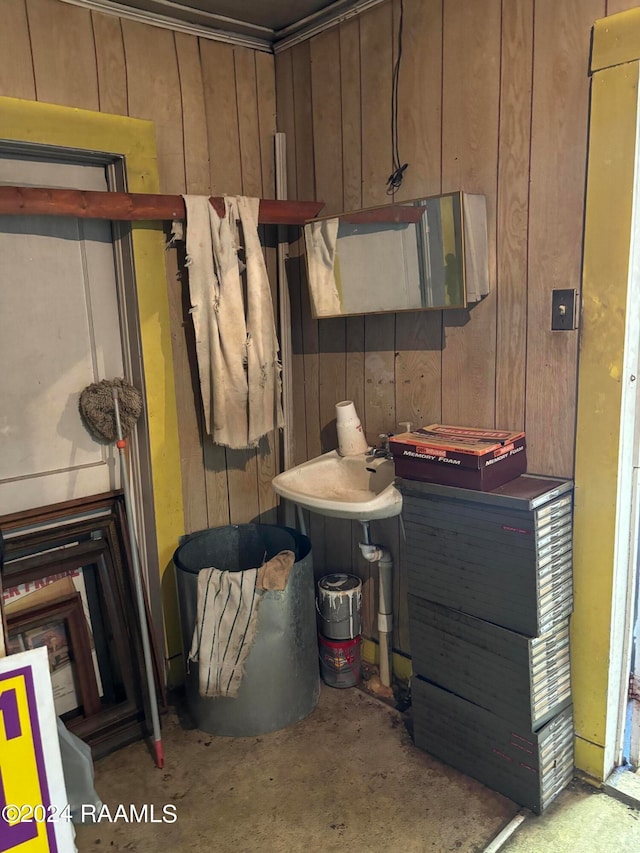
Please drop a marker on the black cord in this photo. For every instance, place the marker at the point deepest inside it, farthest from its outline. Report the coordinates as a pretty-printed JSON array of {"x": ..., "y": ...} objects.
[{"x": 396, "y": 177}]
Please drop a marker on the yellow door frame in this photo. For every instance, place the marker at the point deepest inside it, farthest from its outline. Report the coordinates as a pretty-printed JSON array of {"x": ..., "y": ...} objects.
[
  {"x": 605, "y": 532},
  {"x": 133, "y": 139}
]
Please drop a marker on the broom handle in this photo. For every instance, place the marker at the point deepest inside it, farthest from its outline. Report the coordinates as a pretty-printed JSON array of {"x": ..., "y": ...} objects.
[{"x": 137, "y": 577}]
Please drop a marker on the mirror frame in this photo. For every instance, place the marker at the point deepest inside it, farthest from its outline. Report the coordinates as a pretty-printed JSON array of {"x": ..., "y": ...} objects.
[{"x": 381, "y": 214}]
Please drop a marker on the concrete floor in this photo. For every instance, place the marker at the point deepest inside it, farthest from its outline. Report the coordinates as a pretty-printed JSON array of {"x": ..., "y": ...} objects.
[
  {"x": 581, "y": 820},
  {"x": 347, "y": 778}
]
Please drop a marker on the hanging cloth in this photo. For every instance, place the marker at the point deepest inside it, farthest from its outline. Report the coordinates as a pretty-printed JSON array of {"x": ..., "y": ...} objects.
[
  {"x": 321, "y": 239},
  {"x": 226, "y": 621},
  {"x": 236, "y": 343}
]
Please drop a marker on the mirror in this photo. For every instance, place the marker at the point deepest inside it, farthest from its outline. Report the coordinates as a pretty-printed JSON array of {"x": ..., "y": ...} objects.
[{"x": 429, "y": 253}]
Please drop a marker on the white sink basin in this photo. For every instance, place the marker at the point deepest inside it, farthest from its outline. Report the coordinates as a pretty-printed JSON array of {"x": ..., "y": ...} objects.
[{"x": 356, "y": 487}]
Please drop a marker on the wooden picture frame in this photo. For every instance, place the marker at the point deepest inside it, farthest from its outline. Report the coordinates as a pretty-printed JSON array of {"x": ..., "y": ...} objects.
[
  {"x": 61, "y": 626},
  {"x": 89, "y": 537}
]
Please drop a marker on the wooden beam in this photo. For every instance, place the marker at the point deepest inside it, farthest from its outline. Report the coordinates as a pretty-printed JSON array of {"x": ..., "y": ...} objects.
[
  {"x": 35, "y": 201},
  {"x": 394, "y": 214}
]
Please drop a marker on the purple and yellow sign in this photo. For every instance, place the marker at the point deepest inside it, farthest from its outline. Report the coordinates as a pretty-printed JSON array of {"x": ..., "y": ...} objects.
[{"x": 34, "y": 816}]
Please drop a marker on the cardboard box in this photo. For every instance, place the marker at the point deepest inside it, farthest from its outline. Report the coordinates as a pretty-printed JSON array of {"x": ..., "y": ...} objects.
[{"x": 466, "y": 457}]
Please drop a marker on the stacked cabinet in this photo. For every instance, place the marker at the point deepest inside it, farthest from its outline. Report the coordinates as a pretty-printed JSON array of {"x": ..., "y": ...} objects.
[{"x": 490, "y": 594}]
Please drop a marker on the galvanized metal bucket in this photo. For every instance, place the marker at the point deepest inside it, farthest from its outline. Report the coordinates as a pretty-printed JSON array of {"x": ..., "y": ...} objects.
[{"x": 281, "y": 682}]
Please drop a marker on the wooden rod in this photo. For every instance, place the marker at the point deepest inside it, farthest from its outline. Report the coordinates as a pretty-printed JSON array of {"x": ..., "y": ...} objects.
[{"x": 84, "y": 204}]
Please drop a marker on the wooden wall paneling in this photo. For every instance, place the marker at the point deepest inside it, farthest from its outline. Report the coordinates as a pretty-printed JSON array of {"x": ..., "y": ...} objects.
[
  {"x": 558, "y": 163},
  {"x": 218, "y": 81},
  {"x": 242, "y": 111},
  {"x": 350, "y": 93},
  {"x": 269, "y": 463},
  {"x": 305, "y": 187},
  {"x": 153, "y": 80},
  {"x": 154, "y": 85},
  {"x": 63, "y": 51},
  {"x": 513, "y": 212},
  {"x": 286, "y": 124},
  {"x": 327, "y": 134},
  {"x": 194, "y": 118},
  {"x": 188, "y": 401},
  {"x": 16, "y": 67},
  {"x": 305, "y": 184},
  {"x": 376, "y": 60},
  {"x": 218, "y": 77},
  {"x": 197, "y": 181},
  {"x": 349, "y": 33},
  {"x": 615, "y": 6},
  {"x": 248, "y": 124},
  {"x": 471, "y": 90},
  {"x": 419, "y": 333},
  {"x": 111, "y": 65},
  {"x": 285, "y": 116},
  {"x": 266, "y": 88}
]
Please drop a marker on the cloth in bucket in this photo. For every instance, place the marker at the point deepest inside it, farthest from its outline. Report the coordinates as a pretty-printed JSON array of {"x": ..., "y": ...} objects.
[{"x": 227, "y": 613}]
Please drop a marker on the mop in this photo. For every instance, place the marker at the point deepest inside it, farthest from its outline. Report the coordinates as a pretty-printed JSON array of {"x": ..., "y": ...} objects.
[{"x": 110, "y": 409}]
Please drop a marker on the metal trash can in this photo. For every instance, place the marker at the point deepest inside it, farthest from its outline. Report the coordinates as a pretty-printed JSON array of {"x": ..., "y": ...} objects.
[{"x": 281, "y": 682}]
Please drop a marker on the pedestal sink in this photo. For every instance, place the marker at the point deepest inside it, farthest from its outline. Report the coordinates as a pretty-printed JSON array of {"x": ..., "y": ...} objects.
[{"x": 355, "y": 487}]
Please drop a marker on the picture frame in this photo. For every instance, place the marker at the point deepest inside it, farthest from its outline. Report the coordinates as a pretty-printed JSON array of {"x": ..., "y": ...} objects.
[
  {"x": 87, "y": 542},
  {"x": 61, "y": 627}
]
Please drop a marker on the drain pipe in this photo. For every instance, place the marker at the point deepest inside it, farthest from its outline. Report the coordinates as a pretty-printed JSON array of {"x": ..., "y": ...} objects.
[{"x": 382, "y": 556}]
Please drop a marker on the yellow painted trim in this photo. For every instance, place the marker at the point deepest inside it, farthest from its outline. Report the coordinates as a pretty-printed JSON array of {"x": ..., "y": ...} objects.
[
  {"x": 401, "y": 664},
  {"x": 616, "y": 40},
  {"x": 29, "y": 121},
  {"x": 589, "y": 760},
  {"x": 604, "y": 296}
]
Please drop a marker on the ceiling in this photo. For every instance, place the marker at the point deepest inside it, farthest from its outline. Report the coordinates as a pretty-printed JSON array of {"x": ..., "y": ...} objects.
[{"x": 266, "y": 20}]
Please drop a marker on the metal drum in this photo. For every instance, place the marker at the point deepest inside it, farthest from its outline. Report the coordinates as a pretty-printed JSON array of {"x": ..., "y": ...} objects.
[{"x": 281, "y": 682}]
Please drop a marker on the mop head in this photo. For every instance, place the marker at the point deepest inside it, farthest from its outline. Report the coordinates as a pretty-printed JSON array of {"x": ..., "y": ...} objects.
[{"x": 98, "y": 412}]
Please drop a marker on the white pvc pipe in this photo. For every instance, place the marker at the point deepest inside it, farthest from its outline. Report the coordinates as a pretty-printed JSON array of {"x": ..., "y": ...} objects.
[
  {"x": 385, "y": 614},
  {"x": 382, "y": 556},
  {"x": 385, "y": 657},
  {"x": 504, "y": 835}
]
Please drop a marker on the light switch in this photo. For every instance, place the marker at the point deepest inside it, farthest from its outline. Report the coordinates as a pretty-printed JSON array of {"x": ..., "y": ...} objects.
[{"x": 563, "y": 310}]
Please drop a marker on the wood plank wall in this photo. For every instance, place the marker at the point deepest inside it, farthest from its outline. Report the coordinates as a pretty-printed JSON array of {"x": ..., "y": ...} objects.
[
  {"x": 493, "y": 99},
  {"x": 214, "y": 110}
]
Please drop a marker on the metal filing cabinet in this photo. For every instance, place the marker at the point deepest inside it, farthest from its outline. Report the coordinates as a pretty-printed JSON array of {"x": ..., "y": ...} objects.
[
  {"x": 503, "y": 556},
  {"x": 529, "y": 767},
  {"x": 526, "y": 680},
  {"x": 490, "y": 593}
]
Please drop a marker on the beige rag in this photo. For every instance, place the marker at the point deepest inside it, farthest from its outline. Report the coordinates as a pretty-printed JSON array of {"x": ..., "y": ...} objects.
[
  {"x": 236, "y": 345},
  {"x": 275, "y": 574}
]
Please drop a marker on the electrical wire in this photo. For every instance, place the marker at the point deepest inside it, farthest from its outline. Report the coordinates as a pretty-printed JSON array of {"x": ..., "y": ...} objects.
[{"x": 397, "y": 176}]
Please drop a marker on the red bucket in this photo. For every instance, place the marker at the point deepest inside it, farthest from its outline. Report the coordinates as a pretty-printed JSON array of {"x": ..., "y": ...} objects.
[{"x": 340, "y": 661}]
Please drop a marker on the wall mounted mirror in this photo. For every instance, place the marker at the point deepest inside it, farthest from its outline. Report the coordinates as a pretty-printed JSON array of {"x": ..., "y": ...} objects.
[{"x": 429, "y": 253}]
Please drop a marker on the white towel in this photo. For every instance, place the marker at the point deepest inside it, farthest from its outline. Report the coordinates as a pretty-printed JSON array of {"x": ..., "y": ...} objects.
[
  {"x": 236, "y": 345},
  {"x": 226, "y": 621},
  {"x": 225, "y": 629}
]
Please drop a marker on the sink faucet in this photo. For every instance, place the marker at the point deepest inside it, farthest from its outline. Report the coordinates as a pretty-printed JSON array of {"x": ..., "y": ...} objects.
[{"x": 383, "y": 450}]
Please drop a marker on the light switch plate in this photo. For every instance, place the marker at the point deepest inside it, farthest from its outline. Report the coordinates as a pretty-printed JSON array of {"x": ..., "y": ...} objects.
[{"x": 563, "y": 310}]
